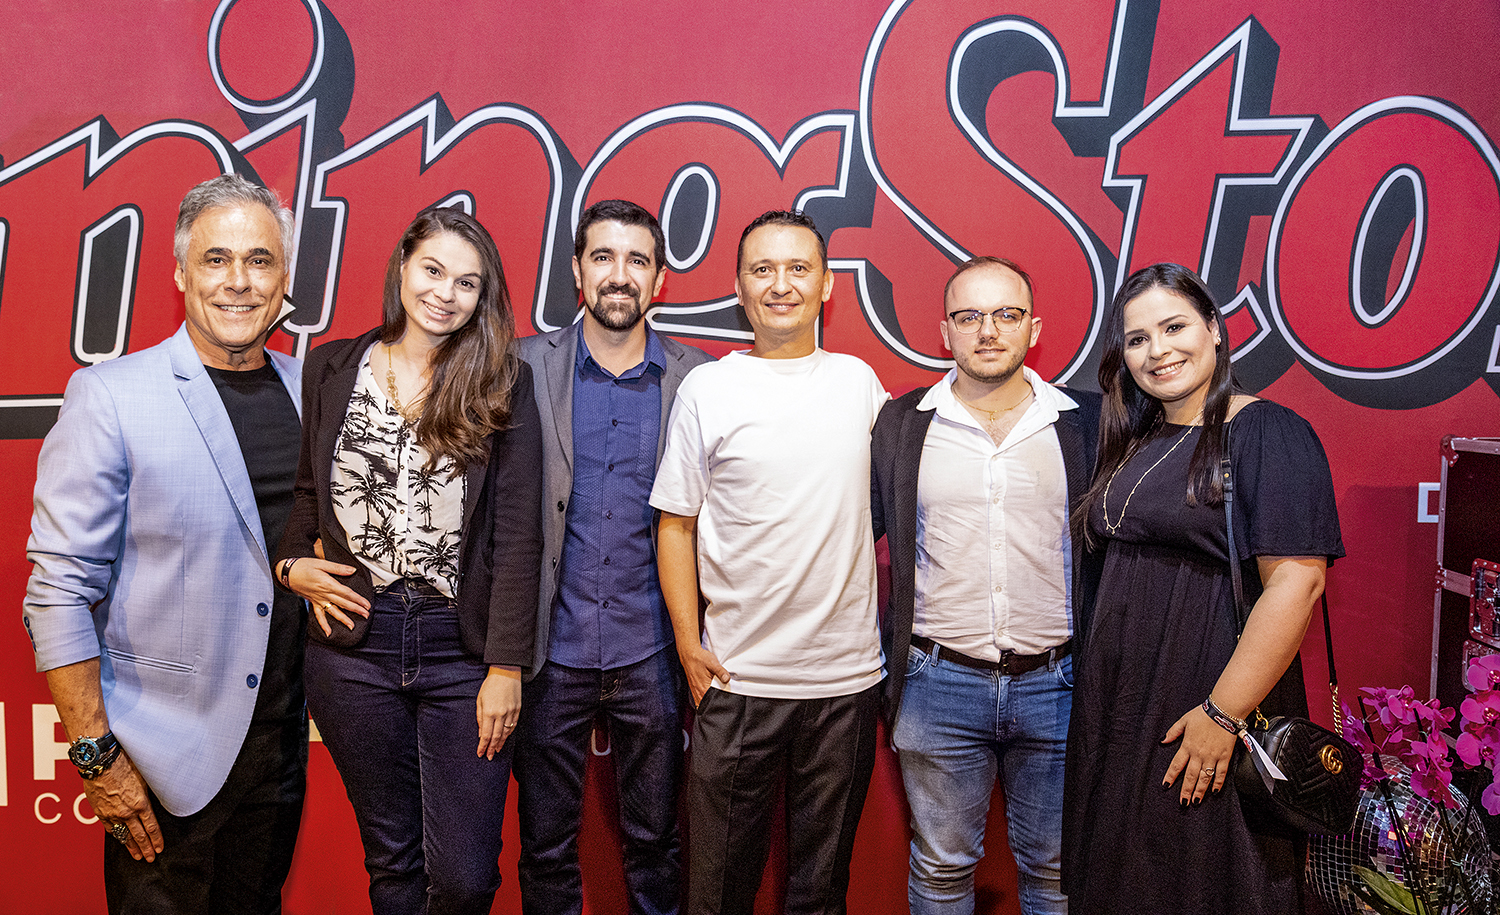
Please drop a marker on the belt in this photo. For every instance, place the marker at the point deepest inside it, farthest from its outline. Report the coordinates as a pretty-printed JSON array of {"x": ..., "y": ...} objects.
[
  {"x": 412, "y": 585},
  {"x": 1010, "y": 663}
]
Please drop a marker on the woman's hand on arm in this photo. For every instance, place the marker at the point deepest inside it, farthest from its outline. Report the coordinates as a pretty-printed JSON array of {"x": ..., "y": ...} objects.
[
  {"x": 1272, "y": 637},
  {"x": 498, "y": 708},
  {"x": 317, "y": 580}
]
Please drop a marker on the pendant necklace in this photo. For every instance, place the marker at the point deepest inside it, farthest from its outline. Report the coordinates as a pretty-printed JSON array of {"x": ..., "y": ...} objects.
[
  {"x": 992, "y": 414},
  {"x": 1112, "y": 528},
  {"x": 390, "y": 387}
]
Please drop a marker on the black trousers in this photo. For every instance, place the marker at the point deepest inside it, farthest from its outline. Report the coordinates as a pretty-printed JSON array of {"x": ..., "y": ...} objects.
[
  {"x": 233, "y": 855},
  {"x": 742, "y": 748}
]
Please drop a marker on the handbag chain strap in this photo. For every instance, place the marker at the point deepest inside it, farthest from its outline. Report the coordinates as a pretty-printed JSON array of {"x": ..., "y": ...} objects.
[{"x": 1242, "y": 614}]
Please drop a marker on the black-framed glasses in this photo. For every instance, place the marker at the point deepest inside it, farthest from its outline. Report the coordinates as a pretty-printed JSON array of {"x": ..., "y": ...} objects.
[{"x": 970, "y": 320}]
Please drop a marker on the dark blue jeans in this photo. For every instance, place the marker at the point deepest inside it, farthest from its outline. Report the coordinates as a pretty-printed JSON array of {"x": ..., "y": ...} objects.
[
  {"x": 640, "y": 706},
  {"x": 397, "y": 714}
]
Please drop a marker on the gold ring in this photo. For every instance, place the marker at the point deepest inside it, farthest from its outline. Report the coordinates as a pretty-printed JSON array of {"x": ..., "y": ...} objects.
[{"x": 120, "y": 831}]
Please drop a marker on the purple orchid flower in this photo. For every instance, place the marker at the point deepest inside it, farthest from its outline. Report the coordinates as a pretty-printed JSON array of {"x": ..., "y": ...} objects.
[
  {"x": 1479, "y": 746},
  {"x": 1433, "y": 714},
  {"x": 1482, "y": 708},
  {"x": 1484, "y": 673},
  {"x": 1490, "y": 797}
]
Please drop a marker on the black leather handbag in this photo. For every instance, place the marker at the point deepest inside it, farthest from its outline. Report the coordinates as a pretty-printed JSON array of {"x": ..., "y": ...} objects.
[{"x": 1298, "y": 772}]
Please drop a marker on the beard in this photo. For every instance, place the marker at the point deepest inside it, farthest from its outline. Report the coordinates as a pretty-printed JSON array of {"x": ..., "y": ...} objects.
[
  {"x": 617, "y": 315},
  {"x": 991, "y": 372}
]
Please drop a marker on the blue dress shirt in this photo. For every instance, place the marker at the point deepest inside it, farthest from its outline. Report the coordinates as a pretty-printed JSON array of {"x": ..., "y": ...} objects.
[{"x": 609, "y": 611}]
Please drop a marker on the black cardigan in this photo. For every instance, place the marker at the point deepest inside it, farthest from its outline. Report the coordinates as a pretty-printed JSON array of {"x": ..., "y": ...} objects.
[
  {"x": 896, "y": 459},
  {"x": 501, "y": 537}
]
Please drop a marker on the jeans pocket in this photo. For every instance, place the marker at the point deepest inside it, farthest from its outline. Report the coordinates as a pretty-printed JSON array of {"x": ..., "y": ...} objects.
[
  {"x": 917, "y": 661},
  {"x": 1064, "y": 671}
]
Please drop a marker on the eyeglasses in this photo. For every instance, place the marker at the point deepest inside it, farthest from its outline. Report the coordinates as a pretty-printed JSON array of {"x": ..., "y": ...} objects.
[{"x": 1007, "y": 320}]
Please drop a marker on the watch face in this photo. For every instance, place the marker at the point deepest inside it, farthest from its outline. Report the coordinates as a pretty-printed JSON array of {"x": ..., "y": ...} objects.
[{"x": 85, "y": 752}]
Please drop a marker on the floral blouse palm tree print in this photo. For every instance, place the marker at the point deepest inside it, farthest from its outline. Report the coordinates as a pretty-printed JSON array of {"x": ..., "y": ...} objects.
[{"x": 406, "y": 515}]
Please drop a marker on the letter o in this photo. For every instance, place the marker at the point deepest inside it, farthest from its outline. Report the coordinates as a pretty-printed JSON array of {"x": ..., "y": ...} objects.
[
  {"x": 1448, "y": 280},
  {"x": 78, "y": 811}
]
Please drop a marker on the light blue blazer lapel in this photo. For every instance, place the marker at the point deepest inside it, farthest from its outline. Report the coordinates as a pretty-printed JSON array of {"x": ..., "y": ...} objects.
[
  {"x": 556, "y": 407},
  {"x": 290, "y": 371},
  {"x": 207, "y": 409}
]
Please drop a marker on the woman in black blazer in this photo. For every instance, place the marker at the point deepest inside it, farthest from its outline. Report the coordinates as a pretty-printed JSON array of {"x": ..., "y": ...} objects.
[{"x": 420, "y": 482}]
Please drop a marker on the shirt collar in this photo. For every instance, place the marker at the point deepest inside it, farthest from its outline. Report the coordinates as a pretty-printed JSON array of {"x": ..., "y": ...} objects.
[
  {"x": 940, "y": 397},
  {"x": 655, "y": 356}
]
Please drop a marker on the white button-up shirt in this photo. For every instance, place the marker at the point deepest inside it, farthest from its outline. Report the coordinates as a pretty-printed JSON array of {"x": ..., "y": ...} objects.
[{"x": 994, "y": 556}]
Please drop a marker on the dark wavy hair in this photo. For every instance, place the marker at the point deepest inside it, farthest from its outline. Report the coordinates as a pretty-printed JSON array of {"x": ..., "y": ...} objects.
[
  {"x": 472, "y": 372},
  {"x": 1130, "y": 416}
]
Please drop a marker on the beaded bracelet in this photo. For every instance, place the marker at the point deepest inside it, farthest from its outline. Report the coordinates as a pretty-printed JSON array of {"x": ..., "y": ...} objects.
[{"x": 1222, "y": 718}]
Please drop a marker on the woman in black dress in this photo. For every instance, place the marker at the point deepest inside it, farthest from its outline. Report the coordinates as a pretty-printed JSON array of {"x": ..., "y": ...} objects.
[{"x": 1150, "y": 822}]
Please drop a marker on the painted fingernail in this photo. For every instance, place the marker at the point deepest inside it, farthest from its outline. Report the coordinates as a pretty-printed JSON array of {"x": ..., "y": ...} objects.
[
  {"x": 1182, "y": 802},
  {"x": 1197, "y": 801}
]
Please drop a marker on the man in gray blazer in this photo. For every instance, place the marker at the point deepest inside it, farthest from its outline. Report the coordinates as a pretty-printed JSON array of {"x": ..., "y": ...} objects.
[
  {"x": 175, "y": 664},
  {"x": 604, "y": 388}
]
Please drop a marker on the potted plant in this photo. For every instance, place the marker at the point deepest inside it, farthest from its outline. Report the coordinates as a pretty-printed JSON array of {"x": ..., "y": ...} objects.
[{"x": 1418, "y": 847}]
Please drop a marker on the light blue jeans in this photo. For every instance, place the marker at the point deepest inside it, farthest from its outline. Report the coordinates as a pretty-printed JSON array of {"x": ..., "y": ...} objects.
[{"x": 960, "y": 727}]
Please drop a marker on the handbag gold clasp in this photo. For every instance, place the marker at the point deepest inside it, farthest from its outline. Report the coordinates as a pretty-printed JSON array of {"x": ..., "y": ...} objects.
[{"x": 1332, "y": 760}]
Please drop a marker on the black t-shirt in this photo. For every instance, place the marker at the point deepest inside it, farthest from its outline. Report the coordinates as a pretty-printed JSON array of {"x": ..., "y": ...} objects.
[{"x": 269, "y": 432}]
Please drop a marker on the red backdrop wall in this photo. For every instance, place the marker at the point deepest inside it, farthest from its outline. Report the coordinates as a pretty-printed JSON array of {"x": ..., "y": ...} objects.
[{"x": 1329, "y": 168}]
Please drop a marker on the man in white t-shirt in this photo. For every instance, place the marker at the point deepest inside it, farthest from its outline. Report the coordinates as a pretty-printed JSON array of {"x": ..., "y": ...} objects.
[{"x": 764, "y": 491}]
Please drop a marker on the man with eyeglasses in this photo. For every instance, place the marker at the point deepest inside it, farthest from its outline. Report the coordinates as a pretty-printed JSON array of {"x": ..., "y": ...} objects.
[{"x": 974, "y": 480}]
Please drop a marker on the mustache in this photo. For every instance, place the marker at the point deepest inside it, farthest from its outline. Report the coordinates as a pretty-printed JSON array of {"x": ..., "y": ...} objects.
[{"x": 621, "y": 289}]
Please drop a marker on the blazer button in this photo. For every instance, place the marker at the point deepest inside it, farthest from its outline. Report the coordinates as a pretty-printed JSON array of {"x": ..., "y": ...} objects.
[
  {"x": 252, "y": 681},
  {"x": 560, "y": 506},
  {"x": 262, "y": 609}
]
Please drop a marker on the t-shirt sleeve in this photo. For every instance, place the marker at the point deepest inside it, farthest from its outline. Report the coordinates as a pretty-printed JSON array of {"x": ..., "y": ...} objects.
[
  {"x": 878, "y": 394},
  {"x": 1284, "y": 497},
  {"x": 682, "y": 479},
  {"x": 882, "y": 396}
]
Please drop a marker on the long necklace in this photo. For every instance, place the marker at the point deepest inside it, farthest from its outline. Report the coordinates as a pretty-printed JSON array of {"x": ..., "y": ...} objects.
[
  {"x": 991, "y": 414},
  {"x": 390, "y": 387},
  {"x": 1115, "y": 527}
]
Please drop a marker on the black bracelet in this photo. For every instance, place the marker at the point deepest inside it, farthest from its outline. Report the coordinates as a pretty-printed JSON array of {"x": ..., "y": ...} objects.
[
  {"x": 286, "y": 572},
  {"x": 1222, "y": 718}
]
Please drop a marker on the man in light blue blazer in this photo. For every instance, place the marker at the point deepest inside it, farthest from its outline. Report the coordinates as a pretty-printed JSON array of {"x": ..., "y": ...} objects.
[
  {"x": 604, "y": 390},
  {"x": 174, "y": 661}
]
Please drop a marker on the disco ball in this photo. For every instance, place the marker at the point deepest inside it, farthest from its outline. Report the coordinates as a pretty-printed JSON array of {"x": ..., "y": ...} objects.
[{"x": 1448, "y": 856}]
